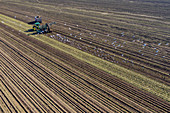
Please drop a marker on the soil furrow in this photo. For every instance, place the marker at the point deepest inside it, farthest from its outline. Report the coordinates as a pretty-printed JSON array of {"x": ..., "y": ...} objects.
[
  {"x": 18, "y": 64},
  {"x": 12, "y": 55}
]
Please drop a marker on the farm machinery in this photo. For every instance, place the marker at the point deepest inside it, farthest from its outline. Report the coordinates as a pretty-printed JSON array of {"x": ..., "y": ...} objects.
[{"x": 42, "y": 28}]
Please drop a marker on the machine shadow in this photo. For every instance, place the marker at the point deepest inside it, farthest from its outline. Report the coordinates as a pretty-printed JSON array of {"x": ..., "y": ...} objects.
[
  {"x": 29, "y": 30},
  {"x": 36, "y": 33},
  {"x": 33, "y": 34},
  {"x": 33, "y": 22}
]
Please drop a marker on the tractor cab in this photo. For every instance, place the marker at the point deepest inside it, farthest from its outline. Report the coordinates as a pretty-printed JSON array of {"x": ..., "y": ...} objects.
[{"x": 38, "y": 19}]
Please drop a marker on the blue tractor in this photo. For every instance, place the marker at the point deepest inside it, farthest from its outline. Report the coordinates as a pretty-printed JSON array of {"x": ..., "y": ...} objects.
[{"x": 38, "y": 19}]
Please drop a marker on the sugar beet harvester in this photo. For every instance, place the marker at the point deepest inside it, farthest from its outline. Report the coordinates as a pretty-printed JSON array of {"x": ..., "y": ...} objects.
[{"x": 43, "y": 28}]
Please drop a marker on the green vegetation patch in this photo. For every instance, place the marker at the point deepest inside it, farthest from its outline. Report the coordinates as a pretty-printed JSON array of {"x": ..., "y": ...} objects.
[{"x": 131, "y": 77}]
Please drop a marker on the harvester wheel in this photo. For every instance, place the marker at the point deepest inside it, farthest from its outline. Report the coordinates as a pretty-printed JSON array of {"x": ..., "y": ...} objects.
[{"x": 48, "y": 28}]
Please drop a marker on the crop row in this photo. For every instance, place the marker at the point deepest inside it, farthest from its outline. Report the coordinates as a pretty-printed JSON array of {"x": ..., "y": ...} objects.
[
  {"x": 50, "y": 81},
  {"x": 113, "y": 81},
  {"x": 115, "y": 56}
]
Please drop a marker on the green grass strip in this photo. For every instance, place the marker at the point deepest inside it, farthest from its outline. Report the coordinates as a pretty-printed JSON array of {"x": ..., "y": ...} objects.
[{"x": 129, "y": 76}]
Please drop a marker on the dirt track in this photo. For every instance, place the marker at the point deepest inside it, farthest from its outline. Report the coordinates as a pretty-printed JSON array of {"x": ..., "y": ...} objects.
[{"x": 34, "y": 87}]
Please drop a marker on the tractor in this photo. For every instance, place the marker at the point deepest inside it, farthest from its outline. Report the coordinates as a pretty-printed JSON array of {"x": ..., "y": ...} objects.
[{"x": 38, "y": 19}]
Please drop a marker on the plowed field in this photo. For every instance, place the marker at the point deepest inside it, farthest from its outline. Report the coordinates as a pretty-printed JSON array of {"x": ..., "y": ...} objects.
[{"x": 65, "y": 71}]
